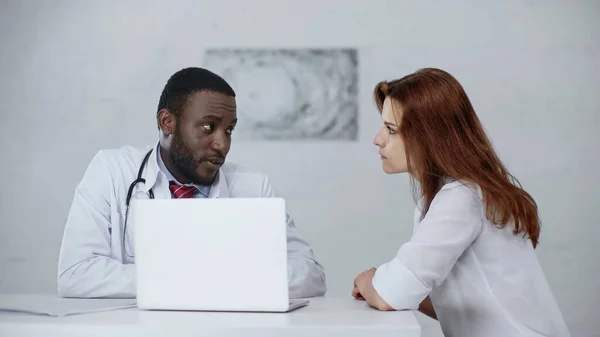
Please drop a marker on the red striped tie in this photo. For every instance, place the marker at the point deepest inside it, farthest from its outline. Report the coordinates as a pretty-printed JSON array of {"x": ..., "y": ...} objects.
[{"x": 181, "y": 191}]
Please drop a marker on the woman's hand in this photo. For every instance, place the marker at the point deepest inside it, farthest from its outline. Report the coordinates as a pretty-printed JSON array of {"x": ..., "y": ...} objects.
[
  {"x": 355, "y": 293},
  {"x": 363, "y": 290}
]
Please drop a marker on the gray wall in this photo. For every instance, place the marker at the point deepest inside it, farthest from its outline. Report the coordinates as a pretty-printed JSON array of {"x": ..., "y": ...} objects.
[{"x": 78, "y": 76}]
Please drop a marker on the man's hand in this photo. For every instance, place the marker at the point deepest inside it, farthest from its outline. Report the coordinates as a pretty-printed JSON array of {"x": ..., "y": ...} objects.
[{"x": 363, "y": 290}]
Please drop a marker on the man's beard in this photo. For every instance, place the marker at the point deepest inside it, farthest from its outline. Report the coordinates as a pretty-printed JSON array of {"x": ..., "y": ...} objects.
[{"x": 181, "y": 156}]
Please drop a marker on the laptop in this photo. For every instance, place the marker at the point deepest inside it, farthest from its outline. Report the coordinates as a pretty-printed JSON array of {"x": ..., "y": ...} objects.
[{"x": 216, "y": 254}]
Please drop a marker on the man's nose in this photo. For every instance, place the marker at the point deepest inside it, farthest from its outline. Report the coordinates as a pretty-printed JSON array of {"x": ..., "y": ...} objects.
[{"x": 220, "y": 142}]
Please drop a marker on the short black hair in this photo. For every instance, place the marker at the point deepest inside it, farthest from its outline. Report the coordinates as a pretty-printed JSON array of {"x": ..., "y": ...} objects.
[{"x": 186, "y": 82}]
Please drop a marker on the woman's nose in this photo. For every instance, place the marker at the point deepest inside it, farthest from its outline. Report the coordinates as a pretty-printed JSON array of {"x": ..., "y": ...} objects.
[{"x": 377, "y": 140}]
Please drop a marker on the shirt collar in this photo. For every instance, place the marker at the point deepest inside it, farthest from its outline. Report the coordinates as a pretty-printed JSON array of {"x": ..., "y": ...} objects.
[
  {"x": 219, "y": 188},
  {"x": 205, "y": 190}
]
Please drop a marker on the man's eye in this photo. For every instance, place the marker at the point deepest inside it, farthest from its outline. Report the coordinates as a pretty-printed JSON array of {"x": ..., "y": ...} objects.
[
  {"x": 208, "y": 127},
  {"x": 230, "y": 130}
]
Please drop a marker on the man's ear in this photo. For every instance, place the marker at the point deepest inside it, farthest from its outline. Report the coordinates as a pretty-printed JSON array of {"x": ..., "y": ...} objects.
[{"x": 166, "y": 122}]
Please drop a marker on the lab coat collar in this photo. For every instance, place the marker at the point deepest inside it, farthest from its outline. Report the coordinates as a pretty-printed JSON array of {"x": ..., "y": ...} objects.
[
  {"x": 219, "y": 188},
  {"x": 150, "y": 170}
]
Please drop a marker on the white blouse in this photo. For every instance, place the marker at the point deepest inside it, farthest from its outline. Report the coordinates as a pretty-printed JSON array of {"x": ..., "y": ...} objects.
[{"x": 482, "y": 280}]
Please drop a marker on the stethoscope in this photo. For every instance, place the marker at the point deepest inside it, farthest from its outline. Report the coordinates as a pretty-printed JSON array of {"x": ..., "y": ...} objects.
[{"x": 138, "y": 180}]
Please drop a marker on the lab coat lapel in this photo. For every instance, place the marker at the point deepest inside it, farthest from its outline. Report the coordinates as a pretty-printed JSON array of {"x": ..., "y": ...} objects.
[
  {"x": 160, "y": 187},
  {"x": 220, "y": 188}
]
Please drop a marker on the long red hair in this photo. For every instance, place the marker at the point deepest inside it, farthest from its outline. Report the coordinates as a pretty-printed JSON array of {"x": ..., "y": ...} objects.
[{"x": 444, "y": 138}]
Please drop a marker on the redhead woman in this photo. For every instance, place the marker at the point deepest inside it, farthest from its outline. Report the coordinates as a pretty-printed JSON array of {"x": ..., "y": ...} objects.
[{"x": 471, "y": 261}]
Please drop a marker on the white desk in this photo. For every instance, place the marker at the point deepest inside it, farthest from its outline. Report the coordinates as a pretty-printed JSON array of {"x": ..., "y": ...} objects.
[{"x": 328, "y": 316}]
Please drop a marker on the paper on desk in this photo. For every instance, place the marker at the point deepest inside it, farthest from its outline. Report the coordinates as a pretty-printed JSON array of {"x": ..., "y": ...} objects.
[{"x": 51, "y": 305}]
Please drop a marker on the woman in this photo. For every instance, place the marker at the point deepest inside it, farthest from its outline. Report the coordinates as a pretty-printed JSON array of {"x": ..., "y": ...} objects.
[{"x": 471, "y": 262}]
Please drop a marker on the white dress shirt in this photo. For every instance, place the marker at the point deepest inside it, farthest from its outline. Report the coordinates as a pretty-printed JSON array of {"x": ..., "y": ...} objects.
[
  {"x": 92, "y": 262},
  {"x": 482, "y": 280}
]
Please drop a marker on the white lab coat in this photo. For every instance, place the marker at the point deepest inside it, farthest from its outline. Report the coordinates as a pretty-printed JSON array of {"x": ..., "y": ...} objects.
[
  {"x": 482, "y": 280},
  {"x": 92, "y": 263}
]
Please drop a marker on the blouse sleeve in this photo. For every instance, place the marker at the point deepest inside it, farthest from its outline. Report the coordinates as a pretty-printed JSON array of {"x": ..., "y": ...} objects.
[{"x": 452, "y": 223}]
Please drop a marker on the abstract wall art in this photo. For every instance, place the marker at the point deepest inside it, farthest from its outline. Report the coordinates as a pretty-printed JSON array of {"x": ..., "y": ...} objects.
[{"x": 291, "y": 94}]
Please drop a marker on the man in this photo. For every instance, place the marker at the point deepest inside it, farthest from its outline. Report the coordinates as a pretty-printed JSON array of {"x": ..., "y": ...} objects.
[{"x": 196, "y": 117}]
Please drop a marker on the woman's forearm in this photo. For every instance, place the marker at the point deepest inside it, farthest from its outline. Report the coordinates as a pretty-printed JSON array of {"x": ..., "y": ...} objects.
[{"x": 373, "y": 299}]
